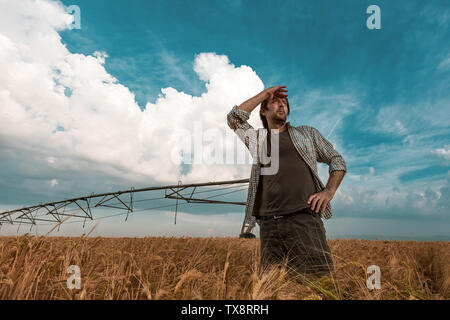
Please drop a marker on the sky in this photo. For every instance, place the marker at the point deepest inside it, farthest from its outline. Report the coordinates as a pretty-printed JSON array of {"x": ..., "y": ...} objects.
[{"x": 104, "y": 105}]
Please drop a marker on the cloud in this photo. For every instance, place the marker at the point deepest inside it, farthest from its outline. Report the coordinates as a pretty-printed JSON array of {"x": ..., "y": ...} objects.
[
  {"x": 402, "y": 119},
  {"x": 365, "y": 177},
  {"x": 443, "y": 196},
  {"x": 53, "y": 182},
  {"x": 443, "y": 153},
  {"x": 325, "y": 110},
  {"x": 372, "y": 199},
  {"x": 68, "y": 114}
]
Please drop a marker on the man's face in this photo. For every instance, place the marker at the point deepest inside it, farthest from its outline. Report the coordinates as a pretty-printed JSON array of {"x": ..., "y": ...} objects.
[{"x": 278, "y": 110}]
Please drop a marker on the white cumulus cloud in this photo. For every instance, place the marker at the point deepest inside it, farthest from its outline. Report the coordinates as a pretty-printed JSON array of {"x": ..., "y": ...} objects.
[{"x": 70, "y": 114}]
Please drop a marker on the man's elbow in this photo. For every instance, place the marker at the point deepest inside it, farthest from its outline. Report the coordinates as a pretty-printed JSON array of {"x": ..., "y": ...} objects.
[
  {"x": 231, "y": 121},
  {"x": 338, "y": 164}
]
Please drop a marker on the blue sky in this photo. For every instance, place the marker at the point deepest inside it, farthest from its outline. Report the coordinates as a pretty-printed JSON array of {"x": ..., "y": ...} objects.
[{"x": 380, "y": 96}]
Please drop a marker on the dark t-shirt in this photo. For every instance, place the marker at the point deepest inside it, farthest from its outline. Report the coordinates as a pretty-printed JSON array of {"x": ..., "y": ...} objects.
[{"x": 288, "y": 190}]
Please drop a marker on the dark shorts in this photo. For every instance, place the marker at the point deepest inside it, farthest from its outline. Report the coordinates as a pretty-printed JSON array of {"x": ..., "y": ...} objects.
[{"x": 298, "y": 240}]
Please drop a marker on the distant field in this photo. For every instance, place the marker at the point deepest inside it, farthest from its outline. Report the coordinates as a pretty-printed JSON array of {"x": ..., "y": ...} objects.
[{"x": 213, "y": 268}]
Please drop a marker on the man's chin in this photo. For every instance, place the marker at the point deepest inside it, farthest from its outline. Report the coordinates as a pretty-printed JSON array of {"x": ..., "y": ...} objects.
[{"x": 279, "y": 118}]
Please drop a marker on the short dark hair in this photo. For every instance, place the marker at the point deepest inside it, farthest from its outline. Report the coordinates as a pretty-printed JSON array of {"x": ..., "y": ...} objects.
[{"x": 264, "y": 107}]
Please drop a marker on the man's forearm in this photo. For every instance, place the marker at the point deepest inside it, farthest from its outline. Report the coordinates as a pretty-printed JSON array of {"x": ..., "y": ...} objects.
[
  {"x": 253, "y": 102},
  {"x": 334, "y": 180}
]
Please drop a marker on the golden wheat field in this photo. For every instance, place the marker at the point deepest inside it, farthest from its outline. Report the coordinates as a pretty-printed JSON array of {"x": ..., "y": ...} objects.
[{"x": 35, "y": 267}]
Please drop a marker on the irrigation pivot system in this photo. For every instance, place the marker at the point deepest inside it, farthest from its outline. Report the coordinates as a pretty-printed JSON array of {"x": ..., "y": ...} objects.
[{"x": 84, "y": 207}]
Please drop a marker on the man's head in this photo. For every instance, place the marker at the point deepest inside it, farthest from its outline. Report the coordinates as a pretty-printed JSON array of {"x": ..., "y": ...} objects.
[{"x": 274, "y": 111}]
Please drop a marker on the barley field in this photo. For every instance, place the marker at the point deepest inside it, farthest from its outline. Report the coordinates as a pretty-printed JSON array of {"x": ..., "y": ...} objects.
[{"x": 35, "y": 267}]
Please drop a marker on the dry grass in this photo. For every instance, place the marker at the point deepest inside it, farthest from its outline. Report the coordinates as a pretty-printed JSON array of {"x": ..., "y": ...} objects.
[{"x": 213, "y": 268}]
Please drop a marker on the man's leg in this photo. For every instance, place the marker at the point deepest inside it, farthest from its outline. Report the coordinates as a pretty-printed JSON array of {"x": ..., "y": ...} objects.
[
  {"x": 271, "y": 244},
  {"x": 306, "y": 243}
]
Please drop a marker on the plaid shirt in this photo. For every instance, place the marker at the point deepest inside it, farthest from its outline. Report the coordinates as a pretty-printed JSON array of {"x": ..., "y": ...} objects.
[{"x": 308, "y": 141}]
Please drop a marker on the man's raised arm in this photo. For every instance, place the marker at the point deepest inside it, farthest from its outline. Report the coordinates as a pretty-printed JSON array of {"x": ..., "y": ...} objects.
[{"x": 238, "y": 116}]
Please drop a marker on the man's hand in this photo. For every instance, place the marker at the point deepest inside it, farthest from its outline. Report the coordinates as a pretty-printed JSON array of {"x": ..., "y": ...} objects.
[
  {"x": 320, "y": 200},
  {"x": 250, "y": 104},
  {"x": 277, "y": 92}
]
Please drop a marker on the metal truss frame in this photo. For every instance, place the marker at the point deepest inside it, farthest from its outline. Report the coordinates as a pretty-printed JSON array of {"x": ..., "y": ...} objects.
[{"x": 55, "y": 211}]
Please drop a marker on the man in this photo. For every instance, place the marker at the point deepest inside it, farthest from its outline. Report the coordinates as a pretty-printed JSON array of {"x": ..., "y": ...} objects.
[{"x": 288, "y": 204}]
